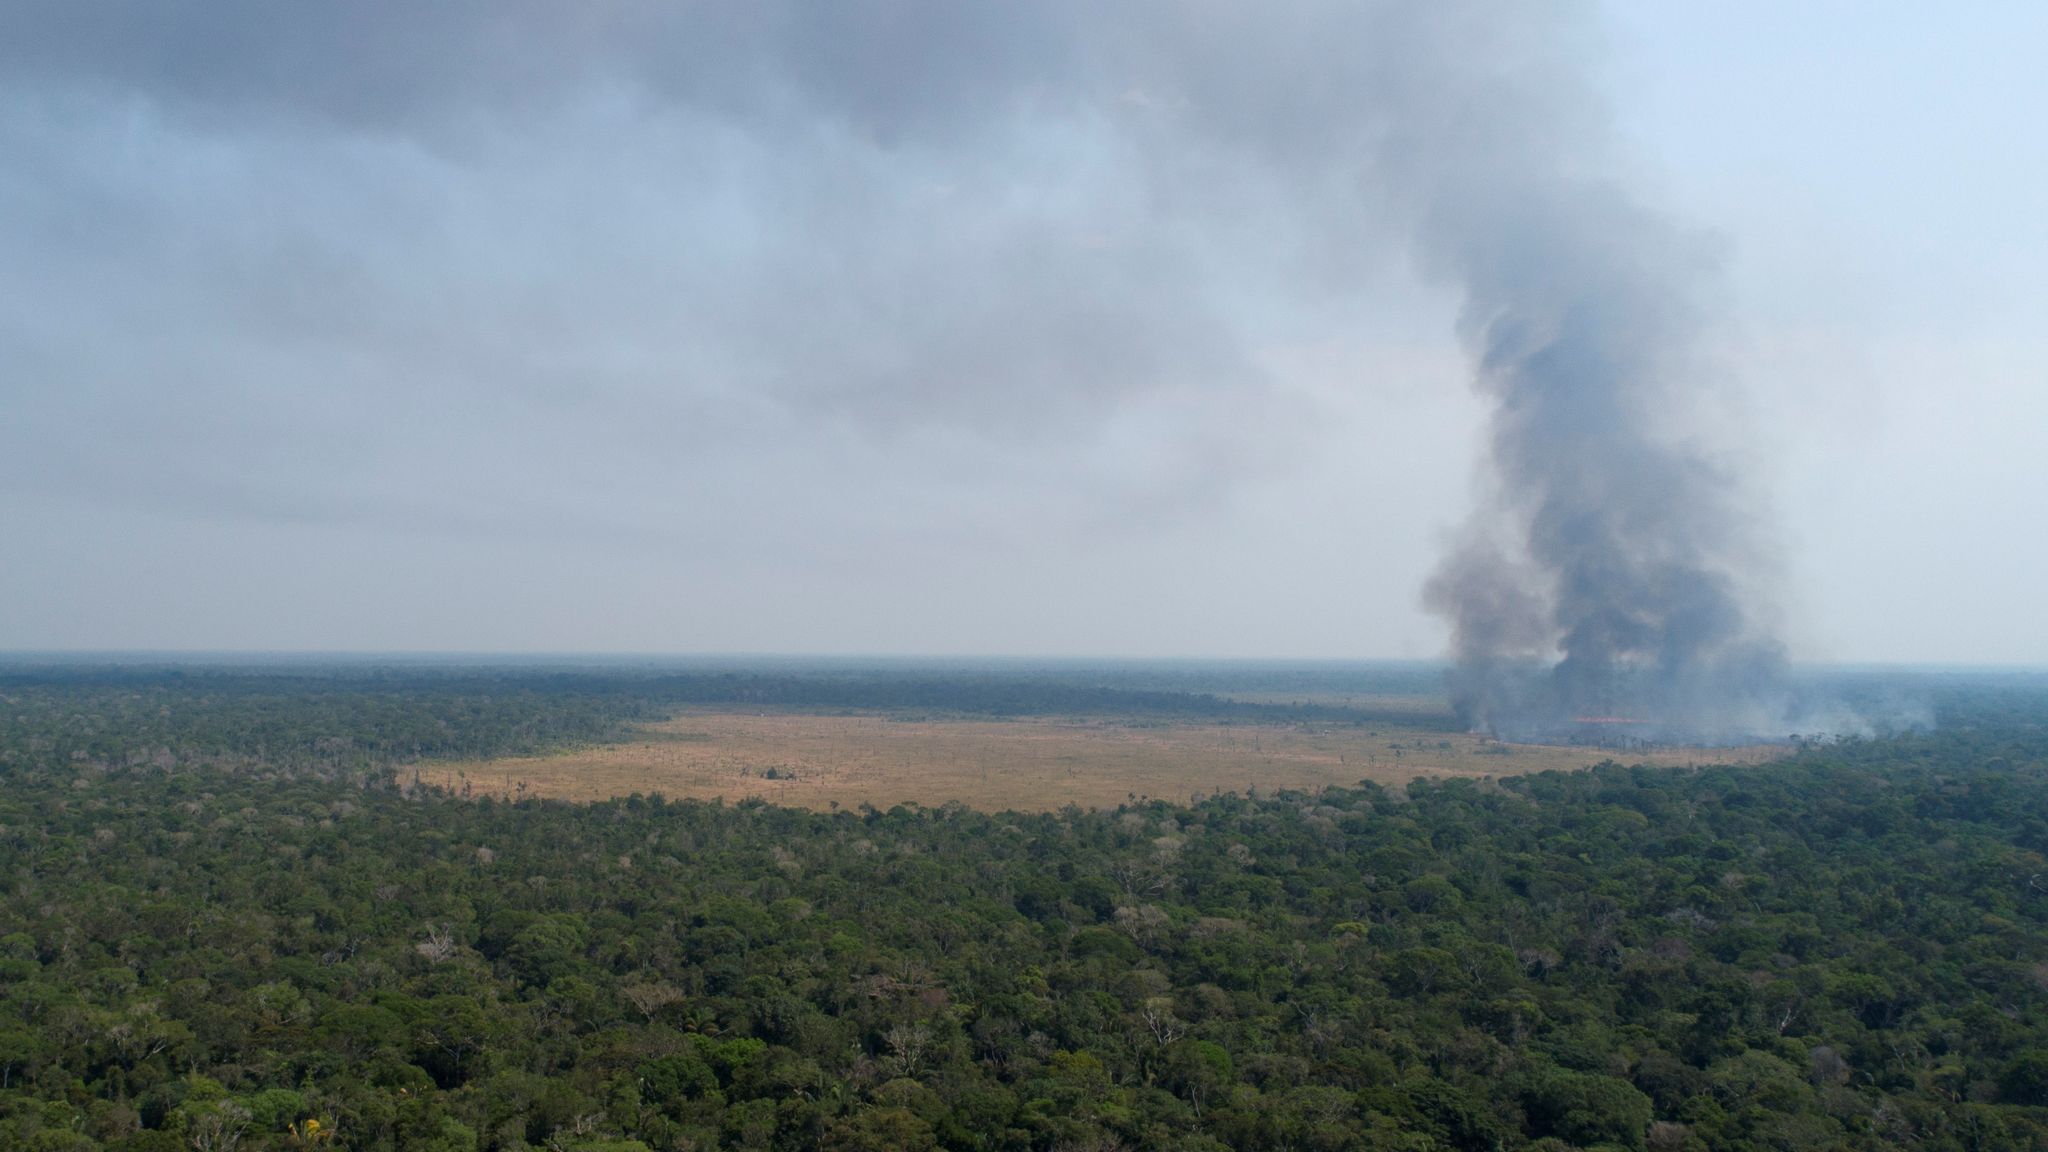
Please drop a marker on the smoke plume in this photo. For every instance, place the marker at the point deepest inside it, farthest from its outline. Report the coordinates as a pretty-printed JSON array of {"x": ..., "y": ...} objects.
[
  {"x": 1609, "y": 575},
  {"x": 1605, "y": 575}
]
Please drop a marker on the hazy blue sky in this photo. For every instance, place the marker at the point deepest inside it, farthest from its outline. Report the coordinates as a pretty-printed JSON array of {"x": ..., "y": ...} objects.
[{"x": 1039, "y": 329}]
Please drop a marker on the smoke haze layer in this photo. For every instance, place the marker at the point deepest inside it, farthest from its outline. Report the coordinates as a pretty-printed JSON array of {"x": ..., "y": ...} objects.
[{"x": 723, "y": 271}]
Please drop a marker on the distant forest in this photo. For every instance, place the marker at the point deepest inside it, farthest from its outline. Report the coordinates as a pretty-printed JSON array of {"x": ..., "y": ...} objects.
[
  {"x": 230, "y": 923},
  {"x": 353, "y": 718}
]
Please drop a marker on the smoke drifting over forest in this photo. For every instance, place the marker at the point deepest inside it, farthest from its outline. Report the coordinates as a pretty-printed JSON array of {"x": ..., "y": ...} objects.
[
  {"x": 1612, "y": 580},
  {"x": 1465, "y": 133},
  {"x": 914, "y": 292},
  {"x": 1607, "y": 580}
]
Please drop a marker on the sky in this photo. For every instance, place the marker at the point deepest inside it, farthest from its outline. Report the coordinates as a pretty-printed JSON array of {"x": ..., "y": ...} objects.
[{"x": 894, "y": 327}]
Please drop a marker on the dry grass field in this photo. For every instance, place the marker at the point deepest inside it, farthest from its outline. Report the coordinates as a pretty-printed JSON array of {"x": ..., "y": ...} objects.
[{"x": 1038, "y": 764}]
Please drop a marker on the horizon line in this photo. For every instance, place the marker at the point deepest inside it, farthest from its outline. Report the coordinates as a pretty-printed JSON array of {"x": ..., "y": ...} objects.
[{"x": 314, "y": 655}]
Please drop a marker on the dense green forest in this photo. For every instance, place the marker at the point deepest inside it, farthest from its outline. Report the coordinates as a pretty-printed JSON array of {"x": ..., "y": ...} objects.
[{"x": 230, "y": 923}]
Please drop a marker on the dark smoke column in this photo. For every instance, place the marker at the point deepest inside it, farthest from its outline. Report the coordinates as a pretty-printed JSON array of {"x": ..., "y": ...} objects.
[{"x": 1607, "y": 572}]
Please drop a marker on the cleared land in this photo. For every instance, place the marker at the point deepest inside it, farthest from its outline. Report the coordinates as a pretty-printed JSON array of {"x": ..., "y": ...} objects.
[{"x": 1038, "y": 764}]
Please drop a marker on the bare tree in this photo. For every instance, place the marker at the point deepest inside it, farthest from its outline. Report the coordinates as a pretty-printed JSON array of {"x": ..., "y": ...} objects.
[
  {"x": 569, "y": 1135},
  {"x": 1138, "y": 877},
  {"x": 220, "y": 1130},
  {"x": 909, "y": 1046},
  {"x": 651, "y": 996},
  {"x": 439, "y": 947},
  {"x": 1142, "y": 923},
  {"x": 1159, "y": 1021}
]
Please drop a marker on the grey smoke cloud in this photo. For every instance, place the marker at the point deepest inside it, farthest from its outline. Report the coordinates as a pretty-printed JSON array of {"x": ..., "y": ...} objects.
[
  {"x": 1613, "y": 570},
  {"x": 797, "y": 277},
  {"x": 323, "y": 231}
]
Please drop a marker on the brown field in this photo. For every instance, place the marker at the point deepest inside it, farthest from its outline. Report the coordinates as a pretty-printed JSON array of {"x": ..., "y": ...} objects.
[{"x": 1038, "y": 764}]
